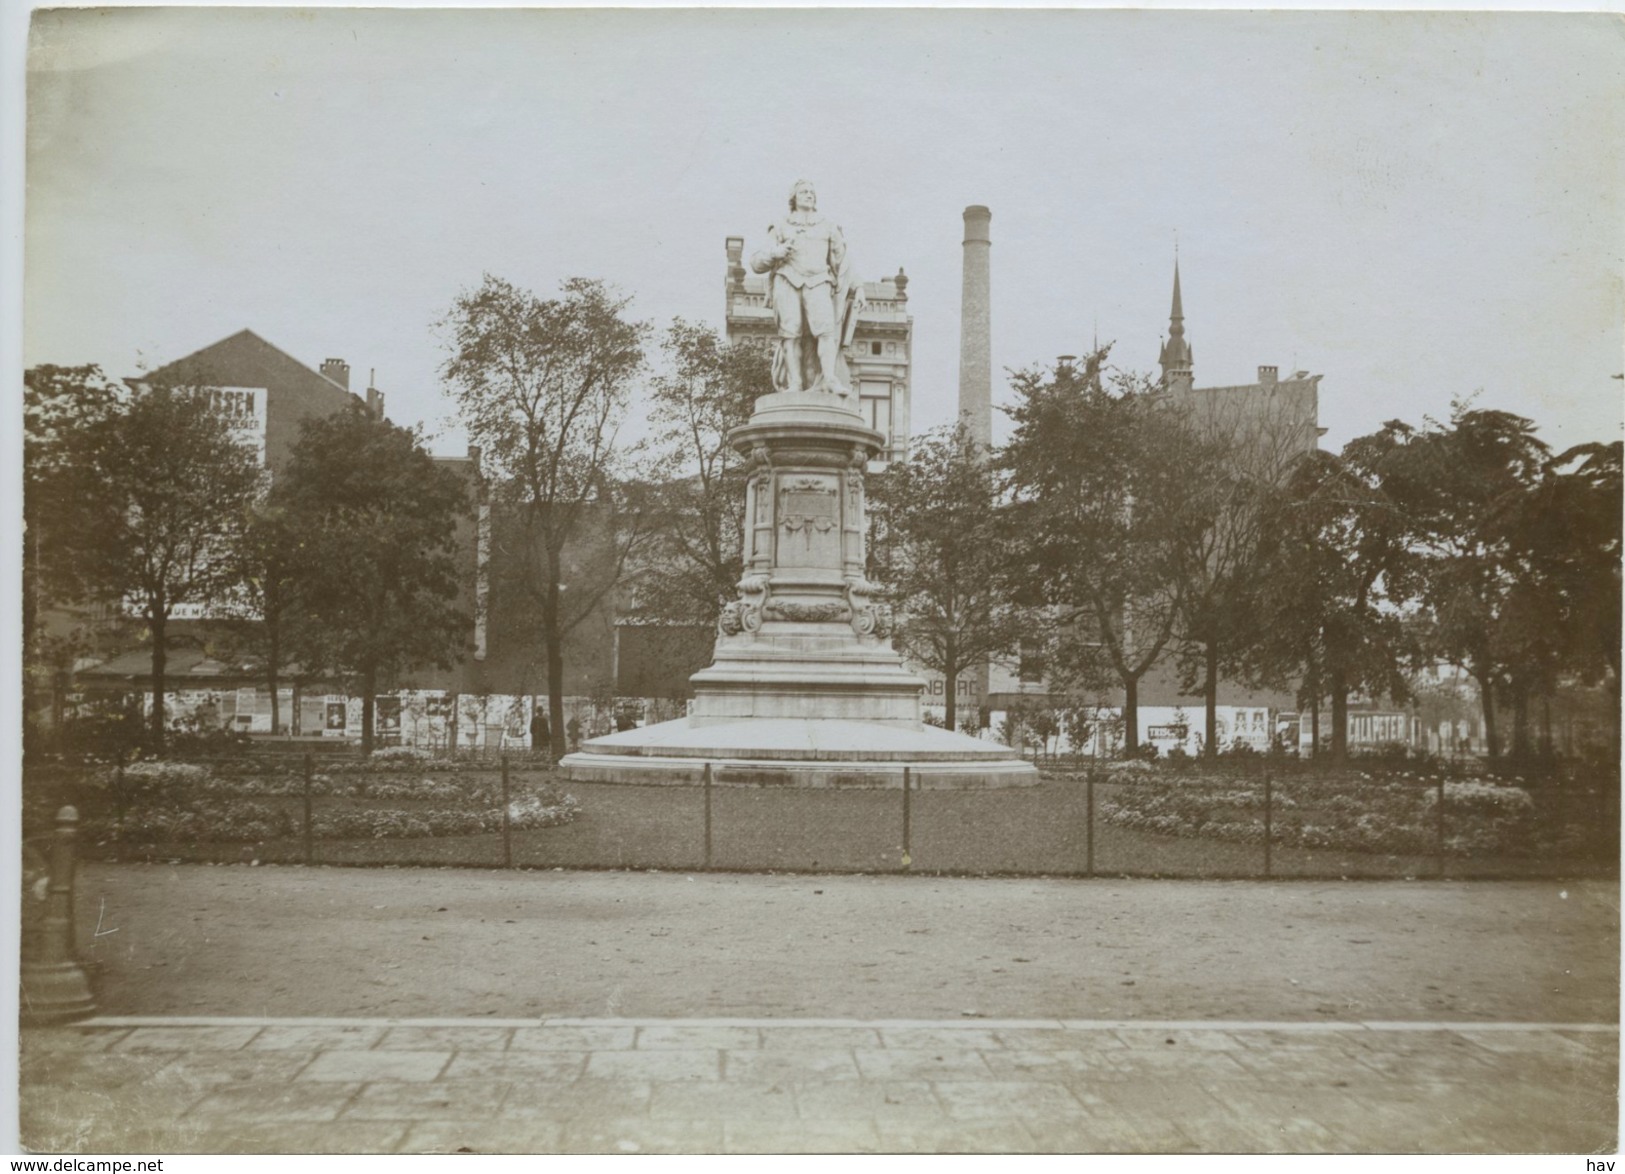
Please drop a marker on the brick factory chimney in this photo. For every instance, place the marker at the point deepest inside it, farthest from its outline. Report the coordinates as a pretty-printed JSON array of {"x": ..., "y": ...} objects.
[
  {"x": 975, "y": 328},
  {"x": 338, "y": 371}
]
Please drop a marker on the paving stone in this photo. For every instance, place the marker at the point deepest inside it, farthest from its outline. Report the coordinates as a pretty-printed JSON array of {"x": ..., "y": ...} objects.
[
  {"x": 1207, "y": 1041},
  {"x": 1008, "y": 1099},
  {"x": 68, "y": 1039},
  {"x": 1310, "y": 1069},
  {"x": 689, "y": 1038},
  {"x": 1211, "y": 1065},
  {"x": 561, "y": 1066},
  {"x": 815, "y": 1137},
  {"x": 186, "y": 1039},
  {"x": 1052, "y": 1039},
  {"x": 344, "y": 1137},
  {"x": 722, "y": 1101},
  {"x": 660, "y": 1066},
  {"x": 762, "y": 1067},
  {"x": 105, "y": 1070},
  {"x": 960, "y": 1137},
  {"x": 387, "y": 1066},
  {"x": 59, "y": 1119},
  {"x": 482, "y": 1137},
  {"x": 1548, "y": 1043},
  {"x": 822, "y": 1038},
  {"x": 940, "y": 1039},
  {"x": 571, "y": 1039},
  {"x": 204, "y": 1070},
  {"x": 1165, "y": 1095},
  {"x": 442, "y": 1100},
  {"x": 913, "y": 1064},
  {"x": 302, "y": 1038},
  {"x": 318, "y": 1100},
  {"x": 586, "y": 1099},
  {"x": 878, "y": 1100},
  {"x": 641, "y": 1135},
  {"x": 493, "y": 1039},
  {"x": 1059, "y": 1064}
]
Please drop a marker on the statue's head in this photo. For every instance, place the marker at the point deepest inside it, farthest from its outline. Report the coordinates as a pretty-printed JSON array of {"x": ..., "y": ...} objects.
[{"x": 803, "y": 196}]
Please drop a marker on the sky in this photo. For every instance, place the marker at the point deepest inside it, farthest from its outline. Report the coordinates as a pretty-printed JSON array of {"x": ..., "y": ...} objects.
[{"x": 1419, "y": 207}]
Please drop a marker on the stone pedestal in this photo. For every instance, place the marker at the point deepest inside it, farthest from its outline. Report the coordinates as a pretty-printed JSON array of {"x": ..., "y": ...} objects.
[{"x": 805, "y": 687}]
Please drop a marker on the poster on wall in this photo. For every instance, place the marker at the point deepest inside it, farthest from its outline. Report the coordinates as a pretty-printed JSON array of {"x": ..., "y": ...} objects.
[
  {"x": 334, "y": 717},
  {"x": 387, "y": 714}
]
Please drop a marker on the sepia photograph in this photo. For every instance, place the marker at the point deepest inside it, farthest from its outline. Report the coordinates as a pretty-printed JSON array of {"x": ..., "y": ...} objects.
[{"x": 774, "y": 581}]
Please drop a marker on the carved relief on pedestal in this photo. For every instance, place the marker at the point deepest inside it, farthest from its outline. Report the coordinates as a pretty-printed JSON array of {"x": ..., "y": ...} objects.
[
  {"x": 869, "y": 616},
  {"x": 759, "y": 504},
  {"x": 808, "y": 513},
  {"x": 806, "y": 613},
  {"x": 745, "y": 613}
]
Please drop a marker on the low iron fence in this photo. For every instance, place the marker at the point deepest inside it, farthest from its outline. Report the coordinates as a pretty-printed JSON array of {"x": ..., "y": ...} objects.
[{"x": 1135, "y": 821}]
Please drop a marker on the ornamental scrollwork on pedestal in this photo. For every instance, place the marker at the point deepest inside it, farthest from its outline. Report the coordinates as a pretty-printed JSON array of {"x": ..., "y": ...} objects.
[
  {"x": 870, "y": 617},
  {"x": 753, "y": 590}
]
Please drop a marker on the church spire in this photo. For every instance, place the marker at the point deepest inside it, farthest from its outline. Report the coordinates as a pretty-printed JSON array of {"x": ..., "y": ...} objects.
[{"x": 1176, "y": 352}]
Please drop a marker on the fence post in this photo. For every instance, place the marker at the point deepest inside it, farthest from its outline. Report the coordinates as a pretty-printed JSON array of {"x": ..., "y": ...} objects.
[
  {"x": 705, "y": 780},
  {"x": 507, "y": 818},
  {"x": 1089, "y": 823},
  {"x": 54, "y": 985},
  {"x": 908, "y": 819},
  {"x": 310, "y": 842},
  {"x": 1269, "y": 819},
  {"x": 118, "y": 788},
  {"x": 1438, "y": 833}
]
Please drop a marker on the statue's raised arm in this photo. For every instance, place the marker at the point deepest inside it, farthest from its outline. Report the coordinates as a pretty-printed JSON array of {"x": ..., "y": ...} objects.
[{"x": 814, "y": 297}]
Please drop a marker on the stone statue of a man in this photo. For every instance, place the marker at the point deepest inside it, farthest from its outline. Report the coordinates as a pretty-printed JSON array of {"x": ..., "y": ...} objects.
[{"x": 814, "y": 296}]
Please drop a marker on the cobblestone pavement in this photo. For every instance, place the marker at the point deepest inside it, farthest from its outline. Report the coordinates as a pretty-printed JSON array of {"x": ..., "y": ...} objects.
[{"x": 179, "y": 1085}]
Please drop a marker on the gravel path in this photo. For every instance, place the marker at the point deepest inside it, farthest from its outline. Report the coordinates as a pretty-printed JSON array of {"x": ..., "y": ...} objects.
[{"x": 294, "y": 941}]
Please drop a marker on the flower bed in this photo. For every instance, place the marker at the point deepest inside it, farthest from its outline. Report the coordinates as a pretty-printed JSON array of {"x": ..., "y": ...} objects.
[{"x": 1356, "y": 813}]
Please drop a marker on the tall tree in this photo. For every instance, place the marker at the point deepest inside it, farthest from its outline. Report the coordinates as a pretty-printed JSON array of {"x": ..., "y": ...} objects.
[
  {"x": 155, "y": 495},
  {"x": 706, "y": 388},
  {"x": 1562, "y": 538},
  {"x": 57, "y": 403},
  {"x": 264, "y": 615},
  {"x": 1239, "y": 453},
  {"x": 543, "y": 387},
  {"x": 378, "y": 561},
  {"x": 1453, "y": 481},
  {"x": 1334, "y": 578},
  {"x": 1098, "y": 469},
  {"x": 949, "y": 546}
]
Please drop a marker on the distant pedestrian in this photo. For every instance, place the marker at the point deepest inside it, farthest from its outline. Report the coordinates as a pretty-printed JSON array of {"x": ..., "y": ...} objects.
[
  {"x": 541, "y": 733},
  {"x": 573, "y": 730}
]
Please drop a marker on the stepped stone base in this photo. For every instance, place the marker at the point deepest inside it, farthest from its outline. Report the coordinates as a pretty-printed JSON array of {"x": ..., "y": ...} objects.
[{"x": 797, "y": 752}]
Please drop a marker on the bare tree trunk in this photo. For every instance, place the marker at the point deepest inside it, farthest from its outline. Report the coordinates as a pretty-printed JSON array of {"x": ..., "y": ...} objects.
[
  {"x": 1340, "y": 715},
  {"x": 1520, "y": 720},
  {"x": 369, "y": 688},
  {"x": 1131, "y": 716},
  {"x": 950, "y": 684},
  {"x": 555, "y": 658},
  {"x": 157, "y": 626},
  {"x": 1486, "y": 698},
  {"x": 273, "y": 678},
  {"x": 1210, "y": 695}
]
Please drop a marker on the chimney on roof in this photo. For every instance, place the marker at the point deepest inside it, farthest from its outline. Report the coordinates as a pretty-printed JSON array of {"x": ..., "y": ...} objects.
[
  {"x": 736, "y": 264},
  {"x": 474, "y": 456},
  {"x": 1268, "y": 375},
  {"x": 338, "y": 371},
  {"x": 375, "y": 398}
]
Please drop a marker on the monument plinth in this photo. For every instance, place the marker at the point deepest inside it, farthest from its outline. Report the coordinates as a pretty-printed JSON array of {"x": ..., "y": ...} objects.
[{"x": 805, "y": 687}]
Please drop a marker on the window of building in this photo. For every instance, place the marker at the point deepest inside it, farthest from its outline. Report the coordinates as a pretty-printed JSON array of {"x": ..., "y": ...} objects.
[
  {"x": 874, "y": 348},
  {"x": 1033, "y": 664},
  {"x": 875, "y": 400}
]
